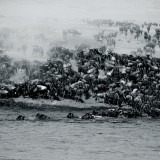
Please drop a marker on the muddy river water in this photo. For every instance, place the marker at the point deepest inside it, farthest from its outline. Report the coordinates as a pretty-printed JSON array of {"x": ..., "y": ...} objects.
[{"x": 64, "y": 139}]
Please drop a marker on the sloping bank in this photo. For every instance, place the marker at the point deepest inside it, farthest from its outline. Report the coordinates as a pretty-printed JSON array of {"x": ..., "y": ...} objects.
[{"x": 41, "y": 104}]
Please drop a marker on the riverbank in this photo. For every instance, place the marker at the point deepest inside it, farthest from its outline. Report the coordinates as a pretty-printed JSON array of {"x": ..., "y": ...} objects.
[{"x": 41, "y": 104}]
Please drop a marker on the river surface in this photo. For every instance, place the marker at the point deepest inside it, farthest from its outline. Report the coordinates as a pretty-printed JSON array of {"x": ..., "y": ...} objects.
[{"x": 64, "y": 139}]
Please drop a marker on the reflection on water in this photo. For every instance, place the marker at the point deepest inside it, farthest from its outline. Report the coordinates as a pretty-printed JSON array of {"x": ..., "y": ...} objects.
[{"x": 107, "y": 138}]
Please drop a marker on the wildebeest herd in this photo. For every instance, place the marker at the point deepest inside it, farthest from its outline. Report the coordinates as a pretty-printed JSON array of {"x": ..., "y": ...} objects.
[
  {"x": 108, "y": 77},
  {"x": 134, "y": 30}
]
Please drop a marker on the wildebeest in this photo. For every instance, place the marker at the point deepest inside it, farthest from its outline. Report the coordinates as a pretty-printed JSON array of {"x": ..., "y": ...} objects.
[{"x": 38, "y": 51}]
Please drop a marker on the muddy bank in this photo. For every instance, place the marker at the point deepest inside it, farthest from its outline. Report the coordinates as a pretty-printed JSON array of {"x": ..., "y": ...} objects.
[
  {"x": 93, "y": 108},
  {"x": 42, "y": 104}
]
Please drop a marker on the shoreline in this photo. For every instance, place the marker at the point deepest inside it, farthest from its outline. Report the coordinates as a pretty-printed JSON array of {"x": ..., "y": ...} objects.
[
  {"x": 67, "y": 105},
  {"x": 43, "y": 104}
]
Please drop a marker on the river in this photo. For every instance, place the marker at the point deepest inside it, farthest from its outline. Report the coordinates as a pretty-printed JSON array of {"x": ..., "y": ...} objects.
[{"x": 65, "y": 139}]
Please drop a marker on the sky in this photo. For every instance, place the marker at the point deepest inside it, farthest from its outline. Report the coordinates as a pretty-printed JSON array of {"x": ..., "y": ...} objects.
[{"x": 145, "y": 10}]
